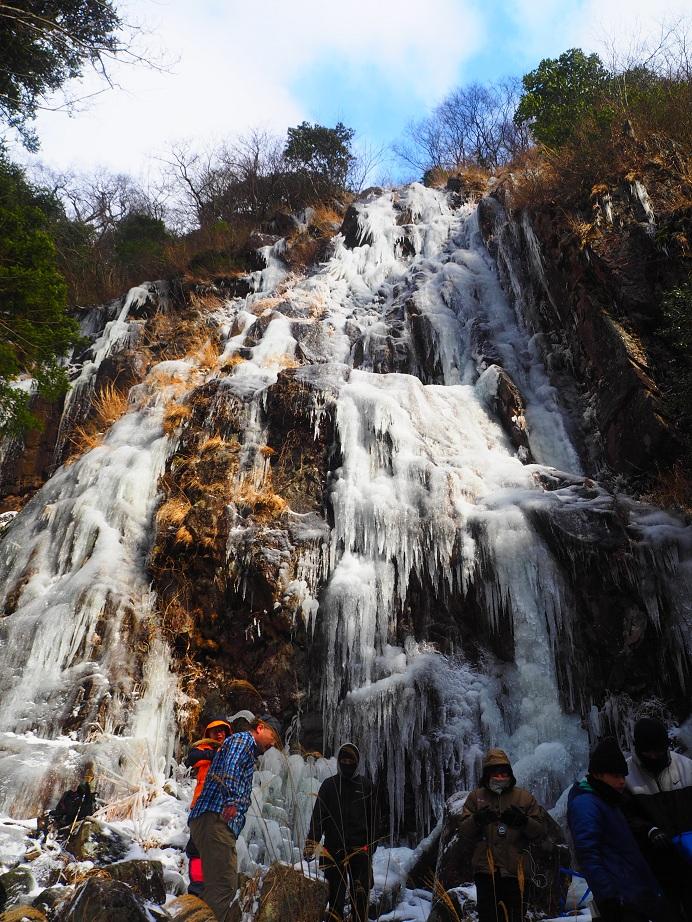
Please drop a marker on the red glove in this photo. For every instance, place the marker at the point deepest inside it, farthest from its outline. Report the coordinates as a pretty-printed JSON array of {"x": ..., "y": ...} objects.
[{"x": 229, "y": 812}]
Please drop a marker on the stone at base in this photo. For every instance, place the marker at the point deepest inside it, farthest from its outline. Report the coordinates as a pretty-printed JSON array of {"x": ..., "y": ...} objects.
[
  {"x": 188, "y": 908},
  {"x": 289, "y": 894},
  {"x": 22, "y": 914}
]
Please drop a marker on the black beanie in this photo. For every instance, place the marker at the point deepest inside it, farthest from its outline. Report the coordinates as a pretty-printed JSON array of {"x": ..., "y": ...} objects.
[
  {"x": 650, "y": 735},
  {"x": 607, "y": 757}
]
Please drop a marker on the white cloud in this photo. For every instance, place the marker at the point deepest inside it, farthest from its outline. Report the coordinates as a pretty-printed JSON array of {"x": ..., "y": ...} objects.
[{"x": 237, "y": 62}]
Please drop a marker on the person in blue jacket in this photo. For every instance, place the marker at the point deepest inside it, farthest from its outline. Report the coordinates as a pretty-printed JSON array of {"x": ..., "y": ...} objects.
[{"x": 621, "y": 881}]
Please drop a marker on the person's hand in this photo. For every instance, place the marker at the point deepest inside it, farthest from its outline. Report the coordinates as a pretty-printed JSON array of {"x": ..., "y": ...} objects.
[
  {"x": 229, "y": 812},
  {"x": 485, "y": 816},
  {"x": 659, "y": 839},
  {"x": 514, "y": 816}
]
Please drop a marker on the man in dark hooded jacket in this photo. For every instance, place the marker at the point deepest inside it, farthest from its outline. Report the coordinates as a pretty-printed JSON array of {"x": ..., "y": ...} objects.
[
  {"x": 621, "y": 881},
  {"x": 346, "y": 814},
  {"x": 660, "y": 810},
  {"x": 498, "y": 823}
]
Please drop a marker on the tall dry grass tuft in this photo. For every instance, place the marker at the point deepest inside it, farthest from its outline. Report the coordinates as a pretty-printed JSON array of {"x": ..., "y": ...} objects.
[
  {"x": 174, "y": 415},
  {"x": 172, "y": 513},
  {"x": 262, "y": 503},
  {"x": 110, "y": 404}
]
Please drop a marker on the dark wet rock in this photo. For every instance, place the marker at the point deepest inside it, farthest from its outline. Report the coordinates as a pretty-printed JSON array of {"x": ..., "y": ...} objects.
[
  {"x": 284, "y": 224},
  {"x": 144, "y": 877},
  {"x": 451, "y": 907},
  {"x": 352, "y": 231},
  {"x": 546, "y": 857},
  {"x": 255, "y": 243},
  {"x": 17, "y": 883},
  {"x": 504, "y": 398},
  {"x": 52, "y": 901},
  {"x": 101, "y": 899},
  {"x": 188, "y": 908},
  {"x": 593, "y": 308},
  {"x": 28, "y": 461},
  {"x": 97, "y": 842},
  {"x": 618, "y": 587},
  {"x": 288, "y": 894}
]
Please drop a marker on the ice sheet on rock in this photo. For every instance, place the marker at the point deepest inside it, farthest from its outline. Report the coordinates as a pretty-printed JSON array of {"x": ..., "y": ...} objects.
[{"x": 72, "y": 569}]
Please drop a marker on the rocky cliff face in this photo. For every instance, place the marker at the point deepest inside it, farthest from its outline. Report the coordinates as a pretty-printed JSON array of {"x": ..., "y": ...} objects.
[
  {"x": 362, "y": 496},
  {"x": 589, "y": 286}
]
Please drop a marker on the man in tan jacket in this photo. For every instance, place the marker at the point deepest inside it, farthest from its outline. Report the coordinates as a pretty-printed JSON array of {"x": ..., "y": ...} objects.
[{"x": 498, "y": 823}]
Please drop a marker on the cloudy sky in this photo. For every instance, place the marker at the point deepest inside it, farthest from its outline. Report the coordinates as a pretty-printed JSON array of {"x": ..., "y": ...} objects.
[{"x": 373, "y": 64}]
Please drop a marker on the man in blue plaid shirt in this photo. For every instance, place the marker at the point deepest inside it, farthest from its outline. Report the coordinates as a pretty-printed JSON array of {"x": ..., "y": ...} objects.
[{"x": 219, "y": 814}]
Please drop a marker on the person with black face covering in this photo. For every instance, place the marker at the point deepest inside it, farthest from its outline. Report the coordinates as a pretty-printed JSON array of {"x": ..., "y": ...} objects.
[
  {"x": 346, "y": 814},
  {"x": 660, "y": 782},
  {"x": 623, "y": 886}
]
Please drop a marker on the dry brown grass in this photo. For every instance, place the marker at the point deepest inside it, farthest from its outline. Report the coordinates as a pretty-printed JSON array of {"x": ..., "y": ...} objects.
[
  {"x": 110, "y": 404},
  {"x": 232, "y": 362},
  {"x": 263, "y": 304},
  {"x": 173, "y": 511},
  {"x": 281, "y": 360},
  {"x": 672, "y": 490},
  {"x": 211, "y": 443},
  {"x": 327, "y": 220},
  {"x": 183, "y": 536},
  {"x": 242, "y": 685},
  {"x": 175, "y": 415},
  {"x": 436, "y": 178},
  {"x": 208, "y": 355},
  {"x": 262, "y": 503}
]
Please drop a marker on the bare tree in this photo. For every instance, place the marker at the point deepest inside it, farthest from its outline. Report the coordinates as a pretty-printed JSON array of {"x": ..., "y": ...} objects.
[{"x": 473, "y": 124}]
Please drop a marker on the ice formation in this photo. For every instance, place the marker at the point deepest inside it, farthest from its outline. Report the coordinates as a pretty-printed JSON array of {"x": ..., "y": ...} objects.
[{"x": 403, "y": 336}]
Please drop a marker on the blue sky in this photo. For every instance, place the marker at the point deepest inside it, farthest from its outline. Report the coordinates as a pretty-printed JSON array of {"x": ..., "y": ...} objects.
[{"x": 373, "y": 64}]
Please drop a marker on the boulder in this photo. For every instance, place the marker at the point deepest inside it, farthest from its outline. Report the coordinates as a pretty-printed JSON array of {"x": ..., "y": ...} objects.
[
  {"x": 145, "y": 878},
  {"x": 288, "y": 894},
  {"x": 449, "y": 906},
  {"x": 189, "y": 908},
  {"x": 23, "y": 914},
  {"x": 17, "y": 883},
  {"x": 97, "y": 842},
  {"x": 52, "y": 901},
  {"x": 101, "y": 899},
  {"x": 351, "y": 229}
]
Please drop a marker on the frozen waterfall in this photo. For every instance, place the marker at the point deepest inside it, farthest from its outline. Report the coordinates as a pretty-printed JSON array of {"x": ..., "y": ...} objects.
[{"x": 444, "y": 616}]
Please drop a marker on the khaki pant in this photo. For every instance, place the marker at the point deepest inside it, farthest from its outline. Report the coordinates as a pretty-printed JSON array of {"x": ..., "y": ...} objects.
[{"x": 216, "y": 845}]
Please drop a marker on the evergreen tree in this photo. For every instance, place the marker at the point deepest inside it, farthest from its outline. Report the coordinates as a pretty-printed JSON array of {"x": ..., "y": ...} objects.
[
  {"x": 322, "y": 153},
  {"x": 45, "y": 43},
  {"x": 36, "y": 330},
  {"x": 559, "y": 93}
]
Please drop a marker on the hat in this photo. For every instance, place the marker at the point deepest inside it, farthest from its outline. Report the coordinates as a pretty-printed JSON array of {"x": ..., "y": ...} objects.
[
  {"x": 494, "y": 760},
  {"x": 607, "y": 758},
  {"x": 650, "y": 735},
  {"x": 349, "y": 750},
  {"x": 272, "y": 722},
  {"x": 218, "y": 725}
]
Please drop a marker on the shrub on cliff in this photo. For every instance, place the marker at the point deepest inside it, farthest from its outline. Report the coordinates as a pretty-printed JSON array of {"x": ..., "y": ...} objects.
[{"x": 559, "y": 93}]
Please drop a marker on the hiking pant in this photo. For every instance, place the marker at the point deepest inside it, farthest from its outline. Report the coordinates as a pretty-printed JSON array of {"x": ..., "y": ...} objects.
[
  {"x": 493, "y": 890},
  {"x": 352, "y": 874},
  {"x": 216, "y": 845}
]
